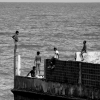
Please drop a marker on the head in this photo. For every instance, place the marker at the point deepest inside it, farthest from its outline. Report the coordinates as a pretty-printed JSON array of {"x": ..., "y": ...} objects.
[
  {"x": 33, "y": 67},
  {"x": 17, "y": 32},
  {"x": 55, "y": 48},
  {"x": 84, "y": 42},
  {"x": 38, "y": 52}
]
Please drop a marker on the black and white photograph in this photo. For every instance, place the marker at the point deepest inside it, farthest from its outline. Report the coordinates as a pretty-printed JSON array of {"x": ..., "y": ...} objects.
[{"x": 49, "y": 49}]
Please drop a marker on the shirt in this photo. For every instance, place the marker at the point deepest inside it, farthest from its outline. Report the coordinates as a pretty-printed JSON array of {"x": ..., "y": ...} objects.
[{"x": 56, "y": 54}]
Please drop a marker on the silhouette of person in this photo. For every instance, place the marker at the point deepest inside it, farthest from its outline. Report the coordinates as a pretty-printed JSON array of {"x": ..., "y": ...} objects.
[
  {"x": 84, "y": 49},
  {"x": 32, "y": 72},
  {"x": 15, "y": 37}
]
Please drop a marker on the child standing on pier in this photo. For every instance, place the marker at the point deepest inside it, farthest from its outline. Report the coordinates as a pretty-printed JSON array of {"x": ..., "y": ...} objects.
[{"x": 37, "y": 62}]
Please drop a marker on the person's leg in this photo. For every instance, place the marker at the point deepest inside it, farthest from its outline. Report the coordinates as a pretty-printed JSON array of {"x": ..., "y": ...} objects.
[
  {"x": 82, "y": 56},
  {"x": 39, "y": 68},
  {"x": 53, "y": 62},
  {"x": 36, "y": 69},
  {"x": 50, "y": 63}
]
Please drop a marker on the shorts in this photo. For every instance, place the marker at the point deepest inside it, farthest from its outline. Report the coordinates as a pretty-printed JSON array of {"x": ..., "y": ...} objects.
[{"x": 38, "y": 62}]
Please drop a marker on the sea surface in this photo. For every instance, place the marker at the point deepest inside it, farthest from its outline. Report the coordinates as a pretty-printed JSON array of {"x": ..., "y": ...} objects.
[{"x": 43, "y": 26}]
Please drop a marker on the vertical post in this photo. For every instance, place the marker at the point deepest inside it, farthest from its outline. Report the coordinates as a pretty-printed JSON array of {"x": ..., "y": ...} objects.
[
  {"x": 80, "y": 74},
  {"x": 15, "y": 48},
  {"x": 15, "y": 37},
  {"x": 19, "y": 65},
  {"x": 45, "y": 68},
  {"x": 80, "y": 79}
]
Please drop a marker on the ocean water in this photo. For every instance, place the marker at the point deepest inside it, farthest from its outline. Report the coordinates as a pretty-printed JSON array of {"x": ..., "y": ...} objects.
[{"x": 43, "y": 26}]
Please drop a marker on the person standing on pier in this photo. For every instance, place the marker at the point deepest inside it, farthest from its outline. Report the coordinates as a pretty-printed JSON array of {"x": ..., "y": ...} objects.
[
  {"x": 37, "y": 62},
  {"x": 15, "y": 37},
  {"x": 84, "y": 49}
]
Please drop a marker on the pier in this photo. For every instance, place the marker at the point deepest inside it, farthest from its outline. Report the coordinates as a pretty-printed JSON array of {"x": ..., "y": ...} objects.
[{"x": 68, "y": 80}]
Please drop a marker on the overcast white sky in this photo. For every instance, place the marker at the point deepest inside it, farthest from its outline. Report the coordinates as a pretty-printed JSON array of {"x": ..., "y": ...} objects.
[{"x": 49, "y": 0}]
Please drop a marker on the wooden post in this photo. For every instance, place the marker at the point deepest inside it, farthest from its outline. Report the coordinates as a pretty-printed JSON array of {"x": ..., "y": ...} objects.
[{"x": 15, "y": 48}]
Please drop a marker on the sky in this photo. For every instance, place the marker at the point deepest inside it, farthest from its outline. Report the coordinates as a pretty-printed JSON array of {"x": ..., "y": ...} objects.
[{"x": 49, "y": 0}]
